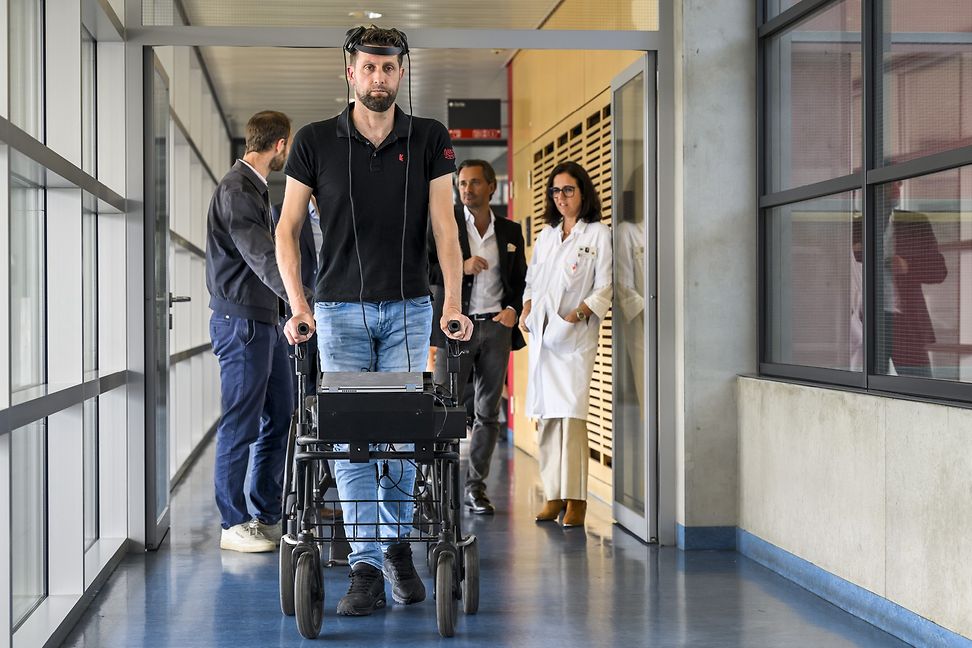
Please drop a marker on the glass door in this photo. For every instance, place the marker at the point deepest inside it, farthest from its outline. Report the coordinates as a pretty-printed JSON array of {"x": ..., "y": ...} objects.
[
  {"x": 157, "y": 304},
  {"x": 634, "y": 314}
]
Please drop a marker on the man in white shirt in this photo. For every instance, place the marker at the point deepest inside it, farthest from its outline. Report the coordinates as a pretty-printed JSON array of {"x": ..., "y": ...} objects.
[{"x": 494, "y": 274}]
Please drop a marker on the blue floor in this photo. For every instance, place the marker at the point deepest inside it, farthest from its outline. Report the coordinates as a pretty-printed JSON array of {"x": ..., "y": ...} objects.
[{"x": 541, "y": 586}]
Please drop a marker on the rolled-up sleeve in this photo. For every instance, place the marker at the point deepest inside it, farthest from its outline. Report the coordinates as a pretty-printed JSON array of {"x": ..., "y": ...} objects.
[{"x": 599, "y": 298}]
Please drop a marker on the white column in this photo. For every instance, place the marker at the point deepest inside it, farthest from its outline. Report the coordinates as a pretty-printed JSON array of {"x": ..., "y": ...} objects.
[
  {"x": 5, "y": 524},
  {"x": 62, "y": 72},
  {"x": 64, "y": 283},
  {"x": 65, "y": 503},
  {"x": 111, "y": 115}
]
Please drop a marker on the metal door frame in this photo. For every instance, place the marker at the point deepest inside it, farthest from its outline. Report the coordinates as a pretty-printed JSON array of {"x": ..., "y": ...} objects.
[
  {"x": 156, "y": 526},
  {"x": 644, "y": 526}
]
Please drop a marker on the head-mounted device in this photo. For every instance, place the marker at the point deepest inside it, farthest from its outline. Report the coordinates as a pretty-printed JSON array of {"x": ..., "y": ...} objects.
[{"x": 352, "y": 43}]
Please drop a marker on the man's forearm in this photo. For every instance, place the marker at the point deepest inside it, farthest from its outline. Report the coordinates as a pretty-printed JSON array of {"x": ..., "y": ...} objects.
[
  {"x": 288, "y": 261},
  {"x": 450, "y": 261}
]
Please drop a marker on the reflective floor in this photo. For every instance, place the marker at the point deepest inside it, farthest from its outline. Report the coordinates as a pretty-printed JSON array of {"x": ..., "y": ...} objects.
[{"x": 541, "y": 586}]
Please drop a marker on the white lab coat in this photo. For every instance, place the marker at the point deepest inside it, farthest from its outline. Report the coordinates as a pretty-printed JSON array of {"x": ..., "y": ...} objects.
[{"x": 561, "y": 275}]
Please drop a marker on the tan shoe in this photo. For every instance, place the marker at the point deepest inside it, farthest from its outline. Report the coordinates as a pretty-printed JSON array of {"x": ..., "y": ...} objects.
[
  {"x": 551, "y": 511},
  {"x": 576, "y": 511}
]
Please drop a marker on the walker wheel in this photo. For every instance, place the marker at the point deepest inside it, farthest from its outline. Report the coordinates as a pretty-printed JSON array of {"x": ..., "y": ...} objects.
[
  {"x": 446, "y": 605},
  {"x": 309, "y": 595},
  {"x": 470, "y": 581},
  {"x": 286, "y": 578}
]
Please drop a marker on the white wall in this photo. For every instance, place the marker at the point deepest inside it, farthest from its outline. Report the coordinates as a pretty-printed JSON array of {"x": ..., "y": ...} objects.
[
  {"x": 875, "y": 490},
  {"x": 194, "y": 396}
]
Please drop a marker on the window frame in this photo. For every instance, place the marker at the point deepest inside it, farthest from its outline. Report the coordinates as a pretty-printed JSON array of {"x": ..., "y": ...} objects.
[{"x": 867, "y": 180}]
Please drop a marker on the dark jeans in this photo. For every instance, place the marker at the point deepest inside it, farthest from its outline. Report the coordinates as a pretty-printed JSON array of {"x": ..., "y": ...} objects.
[
  {"x": 486, "y": 358},
  {"x": 257, "y": 398}
]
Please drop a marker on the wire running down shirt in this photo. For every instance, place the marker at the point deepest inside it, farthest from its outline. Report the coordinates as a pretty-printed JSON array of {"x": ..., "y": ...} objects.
[{"x": 319, "y": 159}]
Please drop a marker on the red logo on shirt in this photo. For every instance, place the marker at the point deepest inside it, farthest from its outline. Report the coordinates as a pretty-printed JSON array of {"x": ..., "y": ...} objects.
[
  {"x": 449, "y": 154},
  {"x": 401, "y": 157}
]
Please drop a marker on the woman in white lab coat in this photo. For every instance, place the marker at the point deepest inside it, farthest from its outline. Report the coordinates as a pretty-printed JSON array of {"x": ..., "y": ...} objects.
[{"x": 568, "y": 293}]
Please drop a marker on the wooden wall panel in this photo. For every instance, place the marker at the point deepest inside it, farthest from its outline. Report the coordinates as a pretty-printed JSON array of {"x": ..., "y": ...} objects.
[{"x": 585, "y": 137}]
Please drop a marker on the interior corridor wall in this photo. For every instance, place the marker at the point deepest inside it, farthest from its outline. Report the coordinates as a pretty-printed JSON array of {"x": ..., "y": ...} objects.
[
  {"x": 199, "y": 156},
  {"x": 874, "y": 490}
]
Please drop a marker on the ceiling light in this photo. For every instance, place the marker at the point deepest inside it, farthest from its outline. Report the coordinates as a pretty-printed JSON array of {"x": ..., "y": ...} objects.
[{"x": 370, "y": 15}]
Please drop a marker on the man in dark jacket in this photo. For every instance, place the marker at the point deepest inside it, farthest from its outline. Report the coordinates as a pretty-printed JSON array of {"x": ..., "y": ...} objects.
[
  {"x": 246, "y": 296},
  {"x": 494, "y": 274}
]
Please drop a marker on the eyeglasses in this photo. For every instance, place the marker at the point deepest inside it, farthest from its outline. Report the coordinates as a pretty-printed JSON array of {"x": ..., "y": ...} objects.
[{"x": 567, "y": 191}]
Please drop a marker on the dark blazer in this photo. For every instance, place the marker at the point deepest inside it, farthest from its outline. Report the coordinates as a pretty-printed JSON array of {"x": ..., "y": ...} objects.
[
  {"x": 241, "y": 263},
  {"x": 308, "y": 251},
  {"x": 914, "y": 241},
  {"x": 512, "y": 265}
]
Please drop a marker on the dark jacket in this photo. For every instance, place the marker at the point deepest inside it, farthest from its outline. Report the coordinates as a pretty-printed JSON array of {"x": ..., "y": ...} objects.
[
  {"x": 914, "y": 241},
  {"x": 241, "y": 264},
  {"x": 512, "y": 265},
  {"x": 308, "y": 251}
]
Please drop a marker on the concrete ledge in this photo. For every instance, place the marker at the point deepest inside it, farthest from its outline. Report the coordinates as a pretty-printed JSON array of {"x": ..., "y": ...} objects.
[
  {"x": 705, "y": 538},
  {"x": 864, "y": 604}
]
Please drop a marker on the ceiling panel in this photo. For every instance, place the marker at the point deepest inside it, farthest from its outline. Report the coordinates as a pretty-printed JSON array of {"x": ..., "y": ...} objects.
[
  {"x": 308, "y": 84},
  {"x": 435, "y": 14},
  {"x": 503, "y": 14}
]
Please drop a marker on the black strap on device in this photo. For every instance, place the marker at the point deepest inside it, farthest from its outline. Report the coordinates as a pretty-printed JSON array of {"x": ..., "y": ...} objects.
[{"x": 352, "y": 43}]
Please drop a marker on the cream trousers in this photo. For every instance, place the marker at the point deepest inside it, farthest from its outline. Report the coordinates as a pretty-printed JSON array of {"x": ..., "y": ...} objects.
[{"x": 563, "y": 458}]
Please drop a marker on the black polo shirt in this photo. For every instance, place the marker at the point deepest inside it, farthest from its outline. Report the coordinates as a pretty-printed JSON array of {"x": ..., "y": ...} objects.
[{"x": 319, "y": 159}]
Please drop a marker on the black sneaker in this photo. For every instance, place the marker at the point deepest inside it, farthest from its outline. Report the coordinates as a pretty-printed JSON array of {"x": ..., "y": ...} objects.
[
  {"x": 366, "y": 592},
  {"x": 407, "y": 587}
]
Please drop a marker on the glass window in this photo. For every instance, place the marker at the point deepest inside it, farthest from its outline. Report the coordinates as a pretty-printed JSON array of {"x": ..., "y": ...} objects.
[
  {"x": 26, "y": 48},
  {"x": 813, "y": 98},
  {"x": 89, "y": 284},
  {"x": 28, "y": 514},
  {"x": 775, "y": 7},
  {"x": 89, "y": 103},
  {"x": 27, "y": 281},
  {"x": 924, "y": 248},
  {"x": 90, "y": 472},
  {"x": 630, "y": 293},
  {"x": 925, "y": 105},
  {"x": 814, "y": 283}
]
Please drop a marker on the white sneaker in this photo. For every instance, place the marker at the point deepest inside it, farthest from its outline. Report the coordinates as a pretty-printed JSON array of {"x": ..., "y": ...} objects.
[
  {"x": 247, "y": 538},
  {"x": 270, "y": 531}
]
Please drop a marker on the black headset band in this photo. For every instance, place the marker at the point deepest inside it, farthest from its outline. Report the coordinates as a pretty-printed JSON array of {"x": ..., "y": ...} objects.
[
  {"x": 378, "y": 50},
  {"x": 353, "y": 43}
]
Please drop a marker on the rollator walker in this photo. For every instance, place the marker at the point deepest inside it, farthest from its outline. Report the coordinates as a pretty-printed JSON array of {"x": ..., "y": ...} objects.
[{"x": 371, "y": 414}]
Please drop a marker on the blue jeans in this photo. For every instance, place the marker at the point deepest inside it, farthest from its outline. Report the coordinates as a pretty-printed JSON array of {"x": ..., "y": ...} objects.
[
  {"x": 257, "y": 398},
  {"x": 345, "y": 345}
]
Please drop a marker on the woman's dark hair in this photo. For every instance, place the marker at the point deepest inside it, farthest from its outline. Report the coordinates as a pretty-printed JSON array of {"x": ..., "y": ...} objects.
[{"x": 590, "y": 210}]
